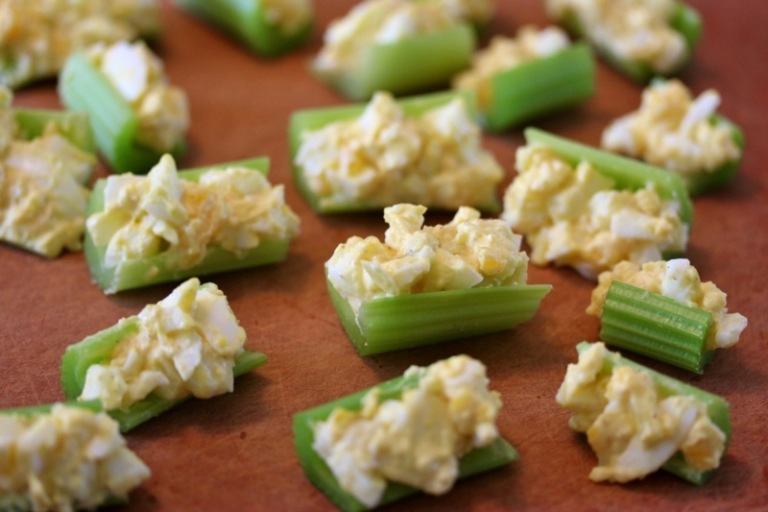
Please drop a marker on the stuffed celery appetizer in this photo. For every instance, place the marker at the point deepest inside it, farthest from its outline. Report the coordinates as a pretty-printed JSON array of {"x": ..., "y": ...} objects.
[
  {"x": 427, "y": 284},
  {"x": 136, "y": 114},
  {"x": 477, "y": 12},
  {"x": 533, "y": 74},
  {"x": 424, "y": 149},
  {"x": 64, "y": 457},
  {"x": 682, "y": 134},
  {"x": 638, "y": 421},
  {"x": 266, "y": 27},
  {"x": 170, "y": 225},
  {"x": 641, "y": 38},
  {"x": 46, "y": 160},
  {"x": 662, "y": 309},
  {"x": 590, "y": 209},
  {"x": 400, "y": 46},
  {"x": 37, "y": 37},
  {"x": 421, "y": 431},
  {"x": 189, "y": 344}
]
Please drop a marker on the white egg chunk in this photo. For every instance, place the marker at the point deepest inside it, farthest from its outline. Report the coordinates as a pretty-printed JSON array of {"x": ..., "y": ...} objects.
[
  {"x": 185, "y": 345},
  {"x": 417, "y": 439},
  {"x": 679, "y": 280},
  {"x": 465, "y": 253},
  {"x": 68, "y": 459},
  {"x": 632, "y": 427},
  {"x": 289, "y": 16},
  {"x": 232, "y": 207},
  {"x": 574, "y": 217},
  {"x": 673, "y": 130},
  {"x": 385, "y": 157},
  {"x": 630, "y": 30}
]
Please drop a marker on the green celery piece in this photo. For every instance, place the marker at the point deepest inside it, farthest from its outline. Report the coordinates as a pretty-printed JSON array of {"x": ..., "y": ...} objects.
[
  {"x": 703, "y": 182},
  {"x": 82, "y": 87},
  {"x": 407, "y": 321},
  {"x": 627, "y": 173},
  {"x": 717, "y": 407},
  {"x": 656, "y": 326},
  {"x": 74, "y": 126},
  {"x": 246, "y": 21},
  {"x": 540, "y": 86},
  {"x": 35, "y": 410},
  {"x": 416, "y": 64},
  {"x": 480, "y": 460},
  {"x": 97, "y": 349},
  {"x": 160, "y": 268}
]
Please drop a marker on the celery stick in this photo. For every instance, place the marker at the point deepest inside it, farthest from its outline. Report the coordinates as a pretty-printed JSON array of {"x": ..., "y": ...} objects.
[
  {"x": 702, "y": 182},
  {"x": 35, "y": 410},
  {"x": 74, "y": 126}
]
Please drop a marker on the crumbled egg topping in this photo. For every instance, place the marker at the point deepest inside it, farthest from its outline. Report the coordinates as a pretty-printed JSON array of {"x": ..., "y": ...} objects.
[
  {"x": 386, "y": 157},
  {"x": 417, "y": 439},
  {"x": 474, "y": 11},
  {"x": 632, "y": 427},
  {"x": 504, "y": 53},
  {"x": 465, "y": 253},
  {"x": 184, "y": 345},
  {"x": 138, "y": 75},
  {"x": 43, "y": 198},
  {"x": 289, "y": 15},
  {"x": 679, "y": 280},
  {"x": 631, "y": 30},
  {"x": 143, "y": 216},
  {"x": 573, "y": 217},
  {"x": 673, "y": 130},
  {"x": 69, "y": 459},
  {"x": 36, "y": 37}
]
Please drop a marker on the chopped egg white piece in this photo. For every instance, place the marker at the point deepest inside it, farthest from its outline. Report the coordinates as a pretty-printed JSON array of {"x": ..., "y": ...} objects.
[
  {"x": 673, "y": 130},
  {"x": 185, "y": 345},
  {"x": 465, "y": 253},
  {"x": 417, "y": 439},
  {"x": 160, "y": 213},
  {"x": 630, "y": 30},
  {"x": 68, "y": 459},
  {"x": 289, "y": 15},
  {"x": 573, "y": 217},
  {"x": 385, "y": 157},
  {"x": 679, "y": 280},
  {"x": 632, "y": 427}
]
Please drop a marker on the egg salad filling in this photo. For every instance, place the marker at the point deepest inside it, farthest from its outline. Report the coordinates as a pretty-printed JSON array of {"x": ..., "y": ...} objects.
[
  {"x": 36, "y": 37},
  {"x": 504, "y": 53},
  {"x": 475, "y": 11},
  {"x": 43, "y": 198},
  {"x": 69, "y": 459},
  {"x": 417, "y": 439},
  {"x": 672, "y": 129},
  {"x": 679, "y": 280},
  {"x": 138, "y": 75},
  {"x": 290, "y": 15},
  {"x": 465, "y": 253},
  {"x": 632, "y": 427},
  {"x": 574, "y": 217},
  {"x": 185, "y": 345},
  {"x": 160, "y": 213},
  {"x": 630, "y": 30},
  {"x": 385, "y": 157}
]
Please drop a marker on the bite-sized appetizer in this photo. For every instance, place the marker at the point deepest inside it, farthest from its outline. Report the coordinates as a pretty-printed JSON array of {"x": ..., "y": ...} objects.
[
  {"x": 37, "y": 36},
  {"x": 189, "y": 344},
  {"x": 169, "y": 225},
  {"x": 266, "y": 27},
  {"x": 400, "y": 46},
  {"x": 533, "y": 74},
  {"x": 425, "y": 149},
  {"x": 64, "y": 457},
  {"x": 662, "y": 309},
  {"x": 680, "y": 133},
  {"x": 641, "y": 38},
  {"x": 418, "y": 432},
  {"x": 428, "y": 284},
  {"x": 46, "y": 160},
  {"x": 136, "y": 114},
  {"x": 588, "y": 209},
  {"x": 638, "y": 421},
  {"x": 477, "y": 12}
]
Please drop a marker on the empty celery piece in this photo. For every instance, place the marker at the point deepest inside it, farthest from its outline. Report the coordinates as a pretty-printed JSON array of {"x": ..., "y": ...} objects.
[
  {"x": 248, "y": 22},
  {"x": 479, "y": 460},
  {"x": 717, "y": 408}
]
